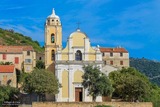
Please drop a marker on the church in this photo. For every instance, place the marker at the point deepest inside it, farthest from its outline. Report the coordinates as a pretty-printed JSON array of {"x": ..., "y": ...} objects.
[{"x": 67, "y": 63}]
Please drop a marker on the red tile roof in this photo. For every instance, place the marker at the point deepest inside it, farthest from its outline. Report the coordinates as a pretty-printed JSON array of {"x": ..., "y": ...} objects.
[
  {"x": 7, "y": 68},
  {"x": 15, "y": 49},
  {"x": 114, "y": 50}
]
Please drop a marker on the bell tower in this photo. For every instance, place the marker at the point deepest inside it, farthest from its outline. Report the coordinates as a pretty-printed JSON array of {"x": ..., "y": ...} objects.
[{"x": 53, "y": 39}]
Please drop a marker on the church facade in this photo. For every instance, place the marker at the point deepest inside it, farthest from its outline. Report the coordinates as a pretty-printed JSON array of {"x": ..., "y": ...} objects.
[
  {"x": 67, "y": 63},
  {"x": 69, "y": 67}
]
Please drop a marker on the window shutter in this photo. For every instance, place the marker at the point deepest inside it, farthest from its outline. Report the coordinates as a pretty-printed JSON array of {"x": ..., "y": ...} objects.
[
  {"x": 16, "y": 60},
  {"x": 4, "y": 56}
]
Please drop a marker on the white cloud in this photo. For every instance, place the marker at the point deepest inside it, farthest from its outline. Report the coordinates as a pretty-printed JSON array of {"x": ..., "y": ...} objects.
[
  {"x": 5, "y": 20},
  {"x": 12, "y": 8},
  {"x": 139, "y": 19},
  {"x": 114, "y": 43}
]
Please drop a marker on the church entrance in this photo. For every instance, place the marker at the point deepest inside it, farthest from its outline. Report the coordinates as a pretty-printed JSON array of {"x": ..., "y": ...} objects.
[{"x": 78, "y": 94}]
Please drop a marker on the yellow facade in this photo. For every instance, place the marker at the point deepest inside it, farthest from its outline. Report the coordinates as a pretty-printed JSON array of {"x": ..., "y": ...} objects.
[
  {"x": 73, "y": 57},
  {"x": 65, "y": 84},
  {"x": 53, "y": 30},
  {"x": 65, "y": 57},
  {"x": 78, "y": 41},
  {"x": 78, "y": 76}
]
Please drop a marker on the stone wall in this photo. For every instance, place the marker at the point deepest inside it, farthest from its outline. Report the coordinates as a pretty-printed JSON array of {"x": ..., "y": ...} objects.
[{"x": 90, "y": 104}]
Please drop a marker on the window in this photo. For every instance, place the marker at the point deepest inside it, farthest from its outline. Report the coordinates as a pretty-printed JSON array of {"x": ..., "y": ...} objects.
[
  {"x": 121, "y": 54},
  {"x": 28, "y": 53},
  {"x": 4, "y": 56},
  {"x": 53, "y": 55},
  {"x": 78, "y": 56},
  {"x": 52, "y": 38},
  {"x": 111, "y": 62},
  {"x": 16, "y": 60},
  {"x": 27, "y": 60},
  {"x": 105, "y": 62},
  {"x": 40, "y": 58},
  {"x": 28, "y": 68},
  {"x": 52, "y": 20},
  {"x": 103, "y": 54},
  {"x": 121, "y": 62},
  {"x": 111, "y": 54},
  {"x": 9, "y": 82}
]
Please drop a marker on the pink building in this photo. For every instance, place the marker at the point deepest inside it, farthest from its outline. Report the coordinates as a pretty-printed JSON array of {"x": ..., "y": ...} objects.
[{"x": 23, "y": 57}]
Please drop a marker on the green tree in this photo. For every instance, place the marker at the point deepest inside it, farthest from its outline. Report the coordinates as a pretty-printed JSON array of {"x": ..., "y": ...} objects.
[
  {"x": 130, "y": 84},
  {"x": 40, "y": 64},
  {"x": 22, "y": 77},
  {"x": 8, "y": 93},
  {"x": 41, "y": 81},
  {"x": 6, "y": 63},
  {"x": 154, "y": 96},
  {"x": 37, "y": 43},
  {"x": 96, "y": 82},
  {"x": 148, "y": 67}
]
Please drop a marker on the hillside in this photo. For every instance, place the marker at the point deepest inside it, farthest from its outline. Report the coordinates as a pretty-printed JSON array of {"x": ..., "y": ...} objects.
[
  {"x": 148, "y": 67},
  {"x": 9, "y": 37}
]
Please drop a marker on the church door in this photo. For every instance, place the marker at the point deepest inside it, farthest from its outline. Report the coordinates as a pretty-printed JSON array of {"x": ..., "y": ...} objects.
[{"x": 78, "y": 94}]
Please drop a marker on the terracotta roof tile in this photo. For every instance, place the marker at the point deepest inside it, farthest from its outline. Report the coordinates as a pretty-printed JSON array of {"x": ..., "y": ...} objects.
[
  {"x": 15, "y": 49},
  {"x": 7, "y": 68},
  {"x": 114, "y": 50}
]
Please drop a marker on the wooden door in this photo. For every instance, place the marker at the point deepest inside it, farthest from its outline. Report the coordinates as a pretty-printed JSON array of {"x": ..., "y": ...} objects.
[{"x": 78, "y": 94}]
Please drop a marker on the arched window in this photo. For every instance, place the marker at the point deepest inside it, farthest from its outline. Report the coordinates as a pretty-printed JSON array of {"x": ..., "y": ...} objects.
[
  {"x": 78, "y": 55},
  {"x": 52, "y": 38},
  {"x": 53, "y": 55}
]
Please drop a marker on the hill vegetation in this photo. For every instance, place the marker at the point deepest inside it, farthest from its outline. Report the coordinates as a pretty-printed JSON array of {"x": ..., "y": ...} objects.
[
  {"x": 131, "y": 85},
  {"x": 9, "y": 37},
  {"x": 148, "y": 67}
]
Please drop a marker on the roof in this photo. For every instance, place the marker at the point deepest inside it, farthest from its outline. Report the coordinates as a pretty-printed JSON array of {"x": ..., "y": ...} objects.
[
  {"x": 15, "y": 49},
  {"x": 78, "y": 31},
  {"x": 114, "y": 50},
  {"x": 7, "y": 68},
  {"x": 53, "y": 15}
]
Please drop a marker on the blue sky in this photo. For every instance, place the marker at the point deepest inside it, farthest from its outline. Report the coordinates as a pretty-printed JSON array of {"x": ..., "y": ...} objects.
[{"x": 132, "y": 24}]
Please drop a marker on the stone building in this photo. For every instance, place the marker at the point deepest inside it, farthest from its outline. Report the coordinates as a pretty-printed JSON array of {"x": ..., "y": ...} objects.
[
  {"x": 40, "y": 56},
  {"x": 8, "y": 75},
  {"x": 23, "y": 57},
  {"x": 116, "y": 57}
]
